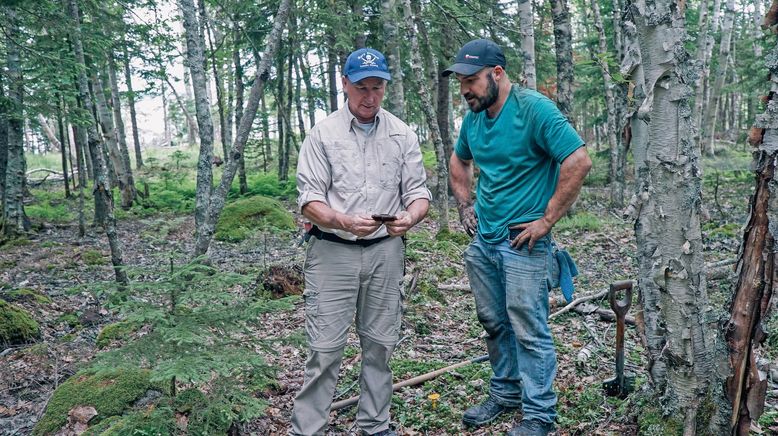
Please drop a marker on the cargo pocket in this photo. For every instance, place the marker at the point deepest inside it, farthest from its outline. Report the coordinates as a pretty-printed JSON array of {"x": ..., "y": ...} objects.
[{"x": 311, "y": 298}]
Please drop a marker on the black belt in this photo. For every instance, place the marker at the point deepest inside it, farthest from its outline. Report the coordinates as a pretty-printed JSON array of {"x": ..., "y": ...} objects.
[{"x": 315, "y": 231}]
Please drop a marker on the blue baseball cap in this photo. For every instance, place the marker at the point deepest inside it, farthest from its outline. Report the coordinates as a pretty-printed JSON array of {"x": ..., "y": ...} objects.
[
  {"x": 474, "y": 56},
  {"x": 366, "y": 62}
]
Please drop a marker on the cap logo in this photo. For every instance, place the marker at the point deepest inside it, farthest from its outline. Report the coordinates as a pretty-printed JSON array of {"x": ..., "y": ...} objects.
[
  {"x": 368, "y": 60},
  {"x": 467, "y": 56}
]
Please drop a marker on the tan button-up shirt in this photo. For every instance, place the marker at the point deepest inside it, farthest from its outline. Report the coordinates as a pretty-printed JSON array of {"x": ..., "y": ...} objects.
[{"x": 354, "y": 172}]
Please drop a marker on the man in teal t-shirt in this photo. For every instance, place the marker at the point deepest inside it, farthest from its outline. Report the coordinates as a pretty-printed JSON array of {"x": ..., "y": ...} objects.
[{"x": 532, "y": 165}]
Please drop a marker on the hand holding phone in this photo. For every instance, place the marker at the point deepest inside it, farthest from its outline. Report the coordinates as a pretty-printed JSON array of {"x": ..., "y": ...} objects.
[{"x": 384, "y": 217}]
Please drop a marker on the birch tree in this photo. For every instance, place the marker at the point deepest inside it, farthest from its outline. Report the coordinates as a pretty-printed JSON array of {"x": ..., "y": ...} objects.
[
  {"x": 395, "y": 89},
  {"x": 667, "y": 202},
  {"x": 525, "y": 16}
]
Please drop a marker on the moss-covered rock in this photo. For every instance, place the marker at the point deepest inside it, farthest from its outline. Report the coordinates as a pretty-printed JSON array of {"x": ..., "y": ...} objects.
[
  {"x": 241, "y": 218},
  {"x": 16, "y": 325},
  {"x": 109, "y": 392},
  {"x": 115, "y": 331}
]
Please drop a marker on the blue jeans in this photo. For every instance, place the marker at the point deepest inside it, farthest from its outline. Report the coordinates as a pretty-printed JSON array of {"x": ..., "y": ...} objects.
[{"x": 511, "y": 296}]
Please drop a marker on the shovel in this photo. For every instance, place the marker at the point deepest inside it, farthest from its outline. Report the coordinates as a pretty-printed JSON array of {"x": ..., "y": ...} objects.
[{"x": 621, "y": 385}]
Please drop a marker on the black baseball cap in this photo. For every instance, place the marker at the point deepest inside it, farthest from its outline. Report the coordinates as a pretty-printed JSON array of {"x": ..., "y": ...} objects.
[{"x": 474, "y": 56}]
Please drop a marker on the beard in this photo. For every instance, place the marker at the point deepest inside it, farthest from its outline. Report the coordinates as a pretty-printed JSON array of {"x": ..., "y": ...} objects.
[{"x": 483, "y": 102}]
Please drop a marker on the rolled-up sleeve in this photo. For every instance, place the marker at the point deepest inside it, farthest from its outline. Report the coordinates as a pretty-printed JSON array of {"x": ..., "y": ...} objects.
[
  {"x": 414, "y": 178},
  {"x": 313, "y": 171}
]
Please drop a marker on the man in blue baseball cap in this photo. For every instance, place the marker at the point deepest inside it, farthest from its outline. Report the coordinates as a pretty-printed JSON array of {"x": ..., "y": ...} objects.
[
  {"x": 362, "y": 184},
  {"x": 532, "y": 164}
]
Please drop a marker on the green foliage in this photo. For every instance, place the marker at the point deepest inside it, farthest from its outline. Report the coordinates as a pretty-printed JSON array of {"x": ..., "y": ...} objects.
[
  {"x": 50, "y": 206},
  {"x": 429, "y": 159},
  {"x": 16, "y": 325},
  {"x": 598, "y": 175},
  {"x": 201, "y": 335},
  {"x": 26, "y": 294},
  {"x": 71, "y": 319},
  {"x": 268, "y": 185},
  {"x": 582, "y": 221},
  {"x": 652, "y": 422},
  {"x": 241, "y": 218},
  {"x": 110, "y": 392},
  {"x": 115, "y": 331},
  {"x": 93, "y": 257},
  {"x": 156, "y": 421},
  {"x": 726, "y": 230}
]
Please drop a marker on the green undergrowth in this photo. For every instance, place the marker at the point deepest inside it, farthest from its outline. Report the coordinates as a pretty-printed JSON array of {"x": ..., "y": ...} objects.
[
  {"x": 199, "y": 334},
  {"x": 25, "y": 294},
  {"x": 581, "y": 221},
  {"x": 242, "y": 218}
]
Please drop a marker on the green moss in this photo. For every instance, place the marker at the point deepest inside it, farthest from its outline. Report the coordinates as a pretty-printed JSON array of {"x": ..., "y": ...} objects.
[
  {"x": 26, "y": 294},
  {"x": 241, "y": 218},
  {"x": 579, "y": 222},
  {"x": 110, "y": 393},
  {"x": 188, "y": 400},
  {"x": 16, "y": 325},
  {"x": 115, "y": 331},
  {"x": 48, "y": 212},
  {"x": 71, "y": 319},
  {"x": 16, "y": 242},
  {"x": 651, "y": 420},
  {"x": 728, "y": 230},
  {"x": 460, "y": 238},
  {"x": 92, "y": 257}
]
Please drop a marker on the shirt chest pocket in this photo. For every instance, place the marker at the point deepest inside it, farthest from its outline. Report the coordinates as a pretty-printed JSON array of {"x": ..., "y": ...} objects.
[
  {"x": 389, "y": 164},
  {"x": 346, "y": 165}
]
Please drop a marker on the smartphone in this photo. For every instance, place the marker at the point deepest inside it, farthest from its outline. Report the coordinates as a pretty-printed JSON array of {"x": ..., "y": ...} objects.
[{"x": 384, "y": 217}]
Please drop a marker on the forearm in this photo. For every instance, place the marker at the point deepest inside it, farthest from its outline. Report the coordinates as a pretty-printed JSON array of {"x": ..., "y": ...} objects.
[
  {"x": 418, "y": 210},
  {"x": 461, "y": 178},
  {"x": 571, "y": 177},
  {"x": 322, "y": 215}
]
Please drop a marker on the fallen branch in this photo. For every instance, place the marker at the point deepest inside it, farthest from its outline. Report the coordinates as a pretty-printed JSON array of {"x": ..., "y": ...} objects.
[
  {"x": 578, "y": 301},
  {"x": 414, "y": 381}
]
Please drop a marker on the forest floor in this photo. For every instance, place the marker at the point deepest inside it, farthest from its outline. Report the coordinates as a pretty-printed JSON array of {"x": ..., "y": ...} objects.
[{"x": 439, "y": 327}]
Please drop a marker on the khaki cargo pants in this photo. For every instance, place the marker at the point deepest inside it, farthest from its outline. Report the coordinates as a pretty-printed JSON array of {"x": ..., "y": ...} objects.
[{"x": 340, "y": 281}]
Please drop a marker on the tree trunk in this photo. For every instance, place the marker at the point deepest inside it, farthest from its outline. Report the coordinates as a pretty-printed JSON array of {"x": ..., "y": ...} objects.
[
  {"x": 190, "y": 121},
  {"x": 430, "y": 66},
  {"x": 128, "y": 181},
  {"x": 280, "y": 122},
  {"x": 444, "y": 111},
  {"x": 309, "y": 91},
  {"x": 389, "y": 19},
  {"x": 332, "y": 62},
  {"x": 63, "y": 147},
  {"x": 3, "y": 151},
  {"x": 131, "y": 104},
  {"x": 102, "y": 190},
  {"x": 217, "y": 77},
  {"x": 219, "y": 196},
  {"x": 721, "y": 74},
  {"x": 49, "y": 132},
  {"x": 239, "y": 91},
  {"x": 667, "y": 203},
  {"x": 266, "y": 157},
  {"x": 14, "y": 222},
  {"x": 429, "y": 115},
  {"x": 618, "y": 37},
  {"x": 294, "y": 61},
  {"x": 705, "y": 44},
  {"x": 746, "y": 385},
  {"x": 526, "y": 26},
  {"x": 195, "y": 60},
  {"x": 79, "y": 144},
  {"x": 110, "y": 136},
  {"x": 616, "y": 186},
  {"x": 563, "y": 42},
  {"x": 167, "y": 137}
]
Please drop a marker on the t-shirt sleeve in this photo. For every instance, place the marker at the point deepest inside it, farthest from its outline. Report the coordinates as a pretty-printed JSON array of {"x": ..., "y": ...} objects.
[
  {"x": 462, "y": 148},
  {"x": 553, "y": 131}
]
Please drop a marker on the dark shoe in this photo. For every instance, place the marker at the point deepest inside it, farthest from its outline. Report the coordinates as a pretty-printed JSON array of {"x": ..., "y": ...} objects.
[
  {"x": 484, "y": 413},
  {"x": 532, "y": 427},
  {"x": 387, "y": 432}
]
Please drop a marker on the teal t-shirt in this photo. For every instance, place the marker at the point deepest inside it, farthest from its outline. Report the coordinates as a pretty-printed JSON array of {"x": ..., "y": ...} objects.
[{"x": 518, "y": 153}]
